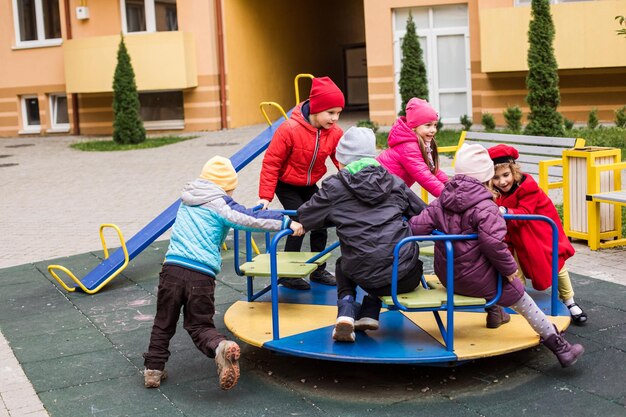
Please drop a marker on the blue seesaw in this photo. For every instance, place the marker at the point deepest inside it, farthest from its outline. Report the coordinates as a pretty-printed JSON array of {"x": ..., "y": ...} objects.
[{"x": 113, "y": 265}]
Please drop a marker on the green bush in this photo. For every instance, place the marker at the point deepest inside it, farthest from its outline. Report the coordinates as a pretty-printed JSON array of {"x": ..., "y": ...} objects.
[
  {"x": 413, "y": 80},
  {"x": 592, "y": 120},
  {"x": 620, "y": 117},
  {"x": 614, "y": 137},
  {"x": 488, "y": 122},
  {"x": 368, "y": 123},
  {"x": 569, "y": 124},
  {"x": 466, "y": 122},
  {"x": 127, "y": 124},
  {"x": 542, "y": 80},
  {"x": 381, "y": 140},
  {"x": 513, "y": 117}
]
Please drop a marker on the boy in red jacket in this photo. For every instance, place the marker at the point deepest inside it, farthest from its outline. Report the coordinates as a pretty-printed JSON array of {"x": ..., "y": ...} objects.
[
  {"x": 296, "y": 160},
  {"x": 518, "y": 193}
]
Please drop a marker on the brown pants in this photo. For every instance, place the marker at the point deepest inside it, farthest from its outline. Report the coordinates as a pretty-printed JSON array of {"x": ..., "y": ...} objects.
[{"x": 195, "y": 293}]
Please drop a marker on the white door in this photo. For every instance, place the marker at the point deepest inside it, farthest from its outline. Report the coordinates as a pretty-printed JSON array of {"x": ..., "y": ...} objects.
[{"x": 444, "y": 37}]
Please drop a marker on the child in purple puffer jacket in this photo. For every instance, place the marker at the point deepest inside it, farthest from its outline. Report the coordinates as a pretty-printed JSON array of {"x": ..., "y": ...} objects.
[
  {"x": 466, "y": 206},
  {"x": 412, "y": 153}
]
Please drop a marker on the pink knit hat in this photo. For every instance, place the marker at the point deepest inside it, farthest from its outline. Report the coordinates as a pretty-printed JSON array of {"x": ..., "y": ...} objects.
[
  {"x": 325, "y": 95},
  {"x": 419, "y": 112}
]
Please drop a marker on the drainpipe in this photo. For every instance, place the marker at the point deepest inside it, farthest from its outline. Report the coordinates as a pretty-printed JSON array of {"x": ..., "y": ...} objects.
[
  {"x": 221, "y": 63},
  {"x": 68, "y": 33}
]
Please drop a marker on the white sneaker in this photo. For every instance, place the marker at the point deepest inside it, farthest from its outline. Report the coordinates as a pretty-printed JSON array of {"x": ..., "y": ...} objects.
[{"x": 344, "y": 329}]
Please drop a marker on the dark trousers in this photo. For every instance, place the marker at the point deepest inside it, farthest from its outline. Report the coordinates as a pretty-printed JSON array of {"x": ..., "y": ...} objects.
[
  {"x": 406, "y": 283},
  {"x": 292, "y": 197},
  {"x": 194, "y": 292}
]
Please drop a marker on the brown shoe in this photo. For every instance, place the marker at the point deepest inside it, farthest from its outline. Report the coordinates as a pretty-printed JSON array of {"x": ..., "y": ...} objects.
[
  {"x": 226, "y": 358},
  {"x": 152, "y": 378},
  {"x": 496, "y": 317}
]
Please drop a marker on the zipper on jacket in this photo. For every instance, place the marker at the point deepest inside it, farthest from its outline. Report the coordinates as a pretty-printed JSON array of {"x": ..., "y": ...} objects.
[{"x": 317, "y": 147}]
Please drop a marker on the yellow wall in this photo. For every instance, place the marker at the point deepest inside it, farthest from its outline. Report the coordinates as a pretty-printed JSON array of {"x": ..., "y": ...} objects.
[
  {"x": 584, "y": 36},
  {"x": 268, "y": 43},
  {"x": 161, "y": 61}
]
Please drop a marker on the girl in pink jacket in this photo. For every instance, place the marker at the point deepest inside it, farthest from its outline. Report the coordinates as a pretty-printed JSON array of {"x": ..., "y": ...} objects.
[{"x": 412, "y": 153}]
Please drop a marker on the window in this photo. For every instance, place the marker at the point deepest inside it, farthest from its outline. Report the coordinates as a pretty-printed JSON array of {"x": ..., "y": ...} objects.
[
  {"x": 444, "y": 37},
  {"x": 162, "y": 110},
  {"x": 59, "y": 119},
  {"x": 149, "y": 15},
  {"x": 30, "y": 114},
  {"x": 37, "y": 22}
]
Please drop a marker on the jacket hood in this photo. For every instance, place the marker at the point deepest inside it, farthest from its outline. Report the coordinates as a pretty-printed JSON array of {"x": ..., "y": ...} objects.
[
  {"x": 298, "y": 116},
  {"x": 200, "y": 191},
  {"x": 463, "y": 192},
  {"x": 367, "y": 181},
  {"x": 401, "y": 132}
]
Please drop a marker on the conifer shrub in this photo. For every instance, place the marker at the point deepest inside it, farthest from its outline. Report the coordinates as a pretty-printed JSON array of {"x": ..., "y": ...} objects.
[
  {"x": 127, "y": 124},
  {"x": 466, "y": 122},
  {"x": 488, "y": 122},
  {"x": 542, "y": 80},
  {"x": 413, "y": 79},
  {"x": 620, "y": 117},
  {"x": 592, "y": 120},
  {"x": 513, "y": 118}
]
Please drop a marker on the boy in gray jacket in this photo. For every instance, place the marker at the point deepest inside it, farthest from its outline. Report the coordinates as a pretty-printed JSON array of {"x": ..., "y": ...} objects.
[{"x": 368, "y": 206}]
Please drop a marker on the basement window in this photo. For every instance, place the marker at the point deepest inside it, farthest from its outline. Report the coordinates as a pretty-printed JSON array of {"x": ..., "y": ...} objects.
[
  {"x": 162, "y": 110},
  {"x": 59, "y": 118},
  {"x": 31, "y": 123}
]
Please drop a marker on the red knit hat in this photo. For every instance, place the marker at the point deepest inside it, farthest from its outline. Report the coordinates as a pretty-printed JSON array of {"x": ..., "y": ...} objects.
[
  {"x": 325, "y": 95},
  {"x": 501, "y": 154},
  {"x": 419, "y": 112}
]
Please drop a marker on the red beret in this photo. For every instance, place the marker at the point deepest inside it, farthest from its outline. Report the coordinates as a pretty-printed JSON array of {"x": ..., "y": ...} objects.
[{"x": 501, "y": 154}]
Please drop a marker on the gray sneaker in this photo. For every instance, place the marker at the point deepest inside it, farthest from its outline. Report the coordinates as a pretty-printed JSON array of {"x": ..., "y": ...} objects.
[
  {"x": 152, "y": 378},
  {"x": 227, "y": 362}
]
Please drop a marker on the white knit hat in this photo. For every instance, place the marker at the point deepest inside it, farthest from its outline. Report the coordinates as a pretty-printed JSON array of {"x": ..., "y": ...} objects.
[
  {"x": 474, "y": 161},
  {"x": 356, "y": 143}
]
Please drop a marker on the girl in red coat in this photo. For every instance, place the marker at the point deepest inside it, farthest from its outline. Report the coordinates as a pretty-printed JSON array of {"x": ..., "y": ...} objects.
[
  {"x": 296, "y": 160},
  {"x": 532, "y": 241}
]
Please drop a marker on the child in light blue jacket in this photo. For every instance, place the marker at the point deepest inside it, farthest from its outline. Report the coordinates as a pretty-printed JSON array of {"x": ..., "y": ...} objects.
[{"x": 193, "y": 260}]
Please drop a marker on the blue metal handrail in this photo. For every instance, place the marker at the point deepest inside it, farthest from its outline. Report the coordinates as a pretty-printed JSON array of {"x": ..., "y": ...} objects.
[{"x": 447, "y": 332}]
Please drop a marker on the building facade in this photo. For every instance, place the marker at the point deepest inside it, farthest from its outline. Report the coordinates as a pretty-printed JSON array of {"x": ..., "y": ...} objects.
[
  {"x": 207, "y": 64},
  {"x": 476, "y": 50}
]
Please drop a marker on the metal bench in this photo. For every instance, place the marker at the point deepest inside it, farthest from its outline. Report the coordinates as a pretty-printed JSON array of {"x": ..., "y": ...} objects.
[{"x": 540, "y": 156}]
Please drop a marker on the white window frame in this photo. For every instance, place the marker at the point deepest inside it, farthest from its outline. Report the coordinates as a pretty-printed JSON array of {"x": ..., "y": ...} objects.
[
  {"x": 150, "y": 17},
  {"x": 54, "y": 126},
  {"x": 26, "y": 128},
  {"x": 41, "y": 32},
  {"x": 431, "y": 35}
]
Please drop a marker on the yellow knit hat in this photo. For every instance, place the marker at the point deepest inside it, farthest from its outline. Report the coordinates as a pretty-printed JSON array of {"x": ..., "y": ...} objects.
[{"x": 220, "y": 171}]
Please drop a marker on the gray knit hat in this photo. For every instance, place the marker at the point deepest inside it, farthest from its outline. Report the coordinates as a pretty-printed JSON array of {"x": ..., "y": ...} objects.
[{"x": 356, "y": 143}]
